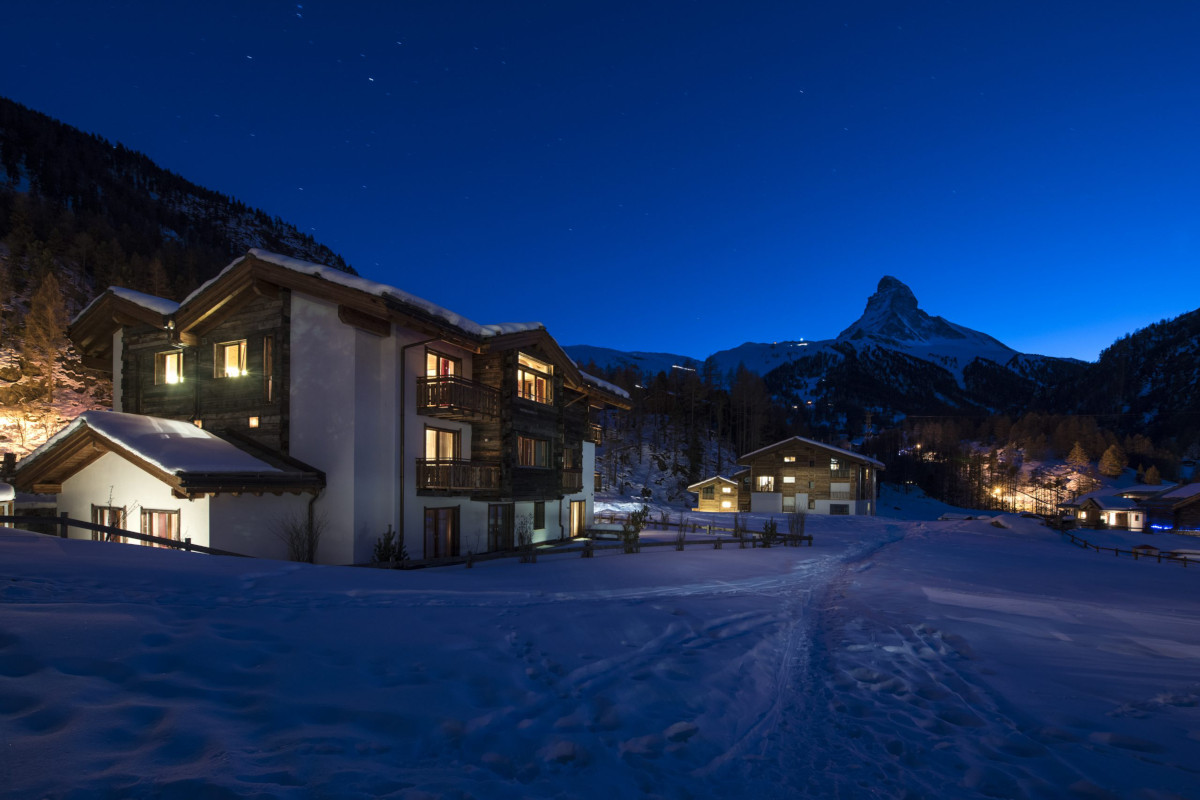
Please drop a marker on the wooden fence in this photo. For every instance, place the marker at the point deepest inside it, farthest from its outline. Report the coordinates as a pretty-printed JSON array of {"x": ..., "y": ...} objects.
[
  {"x": 1137, "y": 555},
  {"x": 62, "y": 523}
]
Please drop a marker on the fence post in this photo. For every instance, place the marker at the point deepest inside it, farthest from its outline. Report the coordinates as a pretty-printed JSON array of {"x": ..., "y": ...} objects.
[
  {"x": 187, "y": 544},
  {"x": 62, "y": 525}
]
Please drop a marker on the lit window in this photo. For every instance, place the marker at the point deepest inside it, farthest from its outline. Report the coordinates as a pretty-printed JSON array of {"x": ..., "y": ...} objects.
[
  {"x": 789, "y": 479},
  {"x": 440, "y": 366},
  {"x": 441, "y": 444},
  {"x": 533, "y": 452},
  {"x": 726, "y": 504},
  {"x": 230, "y": 359},
  {"x": 766, "y": 483},
  {"x": 254, "y": 422},
  {"x": 726, "y": 490},
  {"x": 789, "y": 459},
  {"x": 168, "y": 367},
  {"x": 534, "y": 379}
]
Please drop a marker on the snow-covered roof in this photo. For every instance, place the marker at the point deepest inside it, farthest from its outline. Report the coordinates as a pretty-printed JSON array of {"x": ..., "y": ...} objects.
[
  {"x": 7, "y": 493},
  {"x": 172, "y": 446},
  {"x": 1181, "y": 492},
  {"x": 600, "y": 383},
  {"x": 1115, "y": 503},
  {"x": 374, "y": 288},
  {"x": 815, "y": 443},
  {"x": 717, "y": 478},
  {"x": 159, "y": 305}
]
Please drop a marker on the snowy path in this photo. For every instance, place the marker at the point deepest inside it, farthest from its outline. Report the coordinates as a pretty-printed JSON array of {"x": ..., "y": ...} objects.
[{"x": 892, "y": 659}]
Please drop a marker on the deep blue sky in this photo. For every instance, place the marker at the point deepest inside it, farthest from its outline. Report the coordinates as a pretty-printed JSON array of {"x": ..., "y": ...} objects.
[{"x": 679, "y": 176}]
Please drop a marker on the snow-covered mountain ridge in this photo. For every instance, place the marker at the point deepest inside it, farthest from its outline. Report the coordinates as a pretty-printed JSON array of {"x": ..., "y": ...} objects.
[{"x": 894, "y": 357}]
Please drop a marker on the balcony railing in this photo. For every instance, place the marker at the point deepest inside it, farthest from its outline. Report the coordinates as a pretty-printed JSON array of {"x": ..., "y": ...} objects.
[
  {"x": 452, "y": 397},
  {"x": 841, "y": 495},
  {"x": 457, "y": 476},
  {"x": 595, "y": 434},
  {"x": 572, "y": 481},
  {"x": 841, "y": 472}
]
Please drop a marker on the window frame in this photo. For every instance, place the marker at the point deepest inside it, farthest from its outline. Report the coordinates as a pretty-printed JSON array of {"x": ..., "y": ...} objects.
[
  {"x": 708, "y": 493},
  {"x": 149, "y": 517},
  {"x": 105, "y": 512},
  {"x": 440, "y": 359},
  {"x": 530, "y": 371},
  {"x": 764, "y": 483},
  {"x": 161, "y": 373},
  {"x": 221, "y": 364},
  {"x": 531, "y": 446},
  {"x": 455, "y": 440},
  {"x": 539, "y": 515}
]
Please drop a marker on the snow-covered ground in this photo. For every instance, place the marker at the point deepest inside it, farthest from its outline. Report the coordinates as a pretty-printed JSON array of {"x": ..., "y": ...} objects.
[{"x": 894, "y": 658}]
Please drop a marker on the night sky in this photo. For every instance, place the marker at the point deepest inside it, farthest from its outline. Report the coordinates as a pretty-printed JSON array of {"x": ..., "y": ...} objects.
[{"x": 678, "y": 176}]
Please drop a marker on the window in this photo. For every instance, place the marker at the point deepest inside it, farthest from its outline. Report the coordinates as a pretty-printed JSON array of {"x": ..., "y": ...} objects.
[
  {"x": 833, "y": 464},
  {"x": 534, "y": 379},
  {"x": 839, "y": 509},
  {"x": 726, "y": 490},
  {"x": 789, "y": 479},
  {"x": 789, "y": 459},
  {"x": 708, "y": 493},
  {"x": 810, "y": 484},
  {"x": 500, "y": 526},
  {"x": 229, "y": 359},
  {"x": 168, "y": 367},
  {"x": 113, "y": 517},
  {"x": 533, "y": 452},
  {"x": 726, "y": 504},
  {"x": 766, "y": 483},
  {"x": 812, "y": 504},
  {"x": 269, "y": 368},
  {"x": 163, "y": 524},
  {"x": 441, "y": 532},
  {"x": 441, "y": 444},
  {"x": 598, "y": 482},
  {"x": 440, "y": 366},
  {"x": 539, "y": 516},
  {"x": 572, "y": 458}
]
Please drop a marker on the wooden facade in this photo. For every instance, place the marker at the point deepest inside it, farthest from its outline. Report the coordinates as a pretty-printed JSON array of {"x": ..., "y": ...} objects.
[{"x": 716, "y": 494}]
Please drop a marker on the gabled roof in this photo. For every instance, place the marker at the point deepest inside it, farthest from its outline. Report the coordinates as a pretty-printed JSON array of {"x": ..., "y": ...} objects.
[
  {"x": 92, "y": 328},
  {"x": 1111, "y": 502},
  {"x": 1175, "y": 496},
  {"x": 716, "y": 479},
  {"x": 190, "y": 460},
  {"x": 850, "y": 454}
]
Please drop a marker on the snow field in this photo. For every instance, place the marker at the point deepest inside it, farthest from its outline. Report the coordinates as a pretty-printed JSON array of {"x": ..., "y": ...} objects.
[{"x": 891, "y": 659}]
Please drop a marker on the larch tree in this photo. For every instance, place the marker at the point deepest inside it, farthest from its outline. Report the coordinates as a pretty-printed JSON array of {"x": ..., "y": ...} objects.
[
  {"x": 1078, "y": 459},
  {"x": 46, "y": 331},
  {"x": 1113, "y": 462},
  {"x": 1152, "y": 476}
]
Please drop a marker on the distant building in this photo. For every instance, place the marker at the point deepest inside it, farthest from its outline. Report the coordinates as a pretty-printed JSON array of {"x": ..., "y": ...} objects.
[
  {"x": 716, "y": 494},
  {"x": 799, "y": 474}
]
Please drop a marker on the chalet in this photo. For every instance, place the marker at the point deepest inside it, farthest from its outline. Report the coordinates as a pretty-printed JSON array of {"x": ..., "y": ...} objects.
[
  {"x": 716, "y": 494},
  {"x": 1177, "y": 509},
  {"x": 1112, "y": 507},
  {"x": 799, "y": 474},
  {"x": 384, "y": 409}
]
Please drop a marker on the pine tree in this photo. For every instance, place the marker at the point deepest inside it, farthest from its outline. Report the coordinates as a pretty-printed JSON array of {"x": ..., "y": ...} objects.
[
  {"x": 46, "y": 331},
  {"x": 1112, "y": 463},
  {"x": 1152, "y": 476}
]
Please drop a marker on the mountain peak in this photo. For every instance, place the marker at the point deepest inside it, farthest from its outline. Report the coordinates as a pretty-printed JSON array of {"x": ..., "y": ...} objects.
[{"x": 892, "y": 316}]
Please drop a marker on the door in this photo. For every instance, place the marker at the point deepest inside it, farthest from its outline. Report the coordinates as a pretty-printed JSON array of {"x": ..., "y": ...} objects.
[
  {"x": 500, "y": 526},
  {"x": 441, "y": 532},
  {"x": 578, "y": 517}
]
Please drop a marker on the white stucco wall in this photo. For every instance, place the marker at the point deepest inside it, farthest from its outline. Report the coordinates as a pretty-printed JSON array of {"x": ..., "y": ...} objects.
[
  {"x": 766, "y": 502},
  {"x": 112, "y": 481},
  {"x": 251, "y": 525},
  {"x": 118, "y": 352}
]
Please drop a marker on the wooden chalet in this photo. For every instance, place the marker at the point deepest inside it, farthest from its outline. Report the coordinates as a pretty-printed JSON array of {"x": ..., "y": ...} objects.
[
  {"x": 800, "y": 474},
  {"x": 716, "y": 494},
  {"x": 455, "y": 433}
]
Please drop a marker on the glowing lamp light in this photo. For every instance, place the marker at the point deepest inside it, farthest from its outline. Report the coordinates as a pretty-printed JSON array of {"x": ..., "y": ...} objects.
[
  {"x": 254, "y": 422},
  {"x": 231, "y": 371}
]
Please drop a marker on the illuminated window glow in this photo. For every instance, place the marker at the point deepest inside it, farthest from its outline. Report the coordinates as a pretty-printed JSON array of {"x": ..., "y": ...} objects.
[
  {"x": 789, "y": 479},
  {"x": 533, "y": 452},
  {"x": 254, "y": 422},
  {"x": 534, "y": 379},
  {"x": 766, "y": 483},
  {"x": 726, "y": 504},
  {"x": 789, "y": 459},
  {"x": 726, "y": 490},
  {"x": 168, "y": 367},
  {"x": 229, "y": 359}
]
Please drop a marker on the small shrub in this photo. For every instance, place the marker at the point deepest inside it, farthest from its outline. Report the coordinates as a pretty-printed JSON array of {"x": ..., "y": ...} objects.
[
  {"x": 302, "y": 534},
  {"x": 770, "y": 532},
  {"x": 796, "y": 522},
  {"x": 389, "y": 549}
]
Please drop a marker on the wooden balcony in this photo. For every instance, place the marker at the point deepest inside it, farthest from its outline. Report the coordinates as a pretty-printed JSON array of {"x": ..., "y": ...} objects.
[
  {"x": 452, "y": 397},
  {"x": 460, "y": 477},
  {"x": 841, "y": 473},
  {"x": 841, "y": 495},
  {"x": 595, "y": 434},
  {"x": 572, "y": 481}
]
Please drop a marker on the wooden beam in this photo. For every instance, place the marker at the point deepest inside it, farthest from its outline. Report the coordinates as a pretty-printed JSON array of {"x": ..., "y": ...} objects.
[
  {"x": 47, "y": 488},
  {"x": 365, "y": 322}
]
